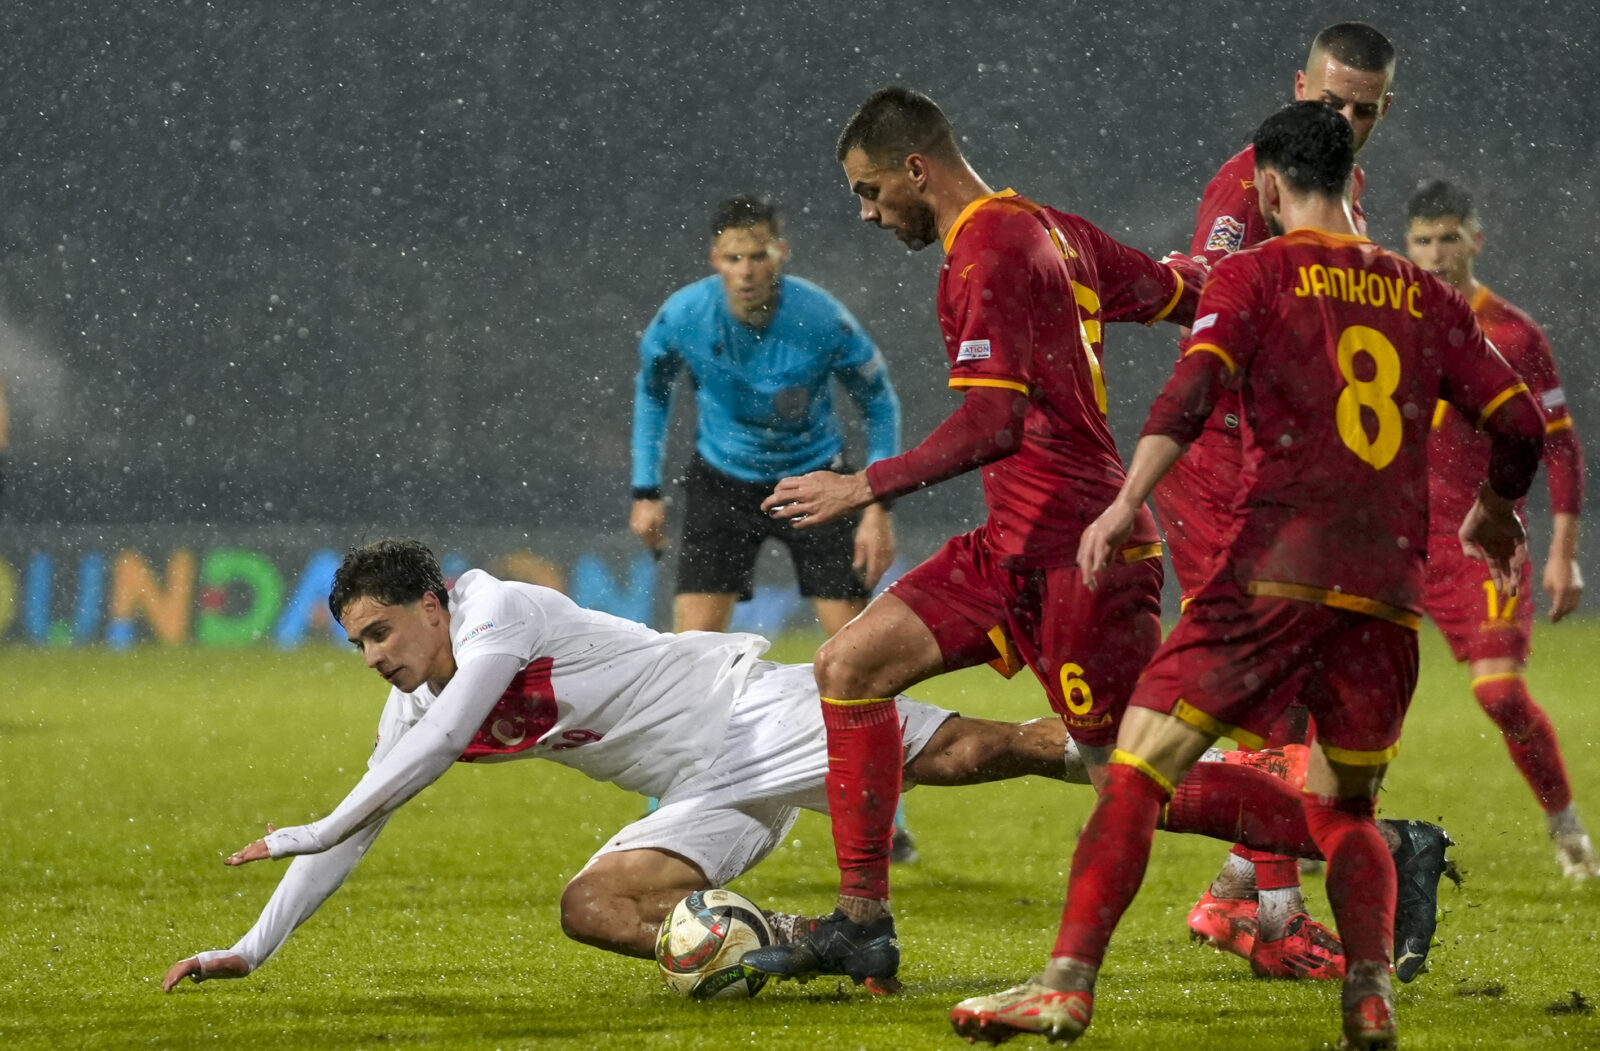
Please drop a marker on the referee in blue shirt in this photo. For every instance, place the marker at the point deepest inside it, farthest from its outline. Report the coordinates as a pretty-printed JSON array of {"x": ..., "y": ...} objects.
[{"x": 762, "y": 350}]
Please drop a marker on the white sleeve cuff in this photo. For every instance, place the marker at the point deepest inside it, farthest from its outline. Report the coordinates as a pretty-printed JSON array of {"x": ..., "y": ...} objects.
[{"x": 296, "y": 839}]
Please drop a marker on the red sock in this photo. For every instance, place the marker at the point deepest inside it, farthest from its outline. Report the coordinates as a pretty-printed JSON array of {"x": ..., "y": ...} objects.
[
  {"x": 1360, "y": 879},
  {"x": 1529, "y": 736},
  {"x": 1109, "y": 862},
  {"x": 1275, "y": 872},
  {"x": 1241, "y": 805},
  {"x": 864, "y": 764},
  {"x": 1287, "y": 763}
]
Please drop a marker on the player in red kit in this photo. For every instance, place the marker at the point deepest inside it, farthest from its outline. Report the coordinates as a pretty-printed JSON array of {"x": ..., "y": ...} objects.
[
  {"x": 1335, "y": 346},
  {"x": 1350, "y": 66},
  {"x": 1485, "y": 628},
  {"x": 1023, "y": 295},
  {"x": 1256, "y": 899}
]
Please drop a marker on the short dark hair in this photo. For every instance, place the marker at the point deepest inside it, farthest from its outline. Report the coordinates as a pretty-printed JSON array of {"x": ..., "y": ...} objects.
[
  {"x": 747, "y": 209},
  {"x": 391, "y": 571},
  {"x": 1440, "y": 199},
  {"x": 896, "y": 122},
  {"x": 1357, "y": 45},
  {"x": 1310, "y": 145}
]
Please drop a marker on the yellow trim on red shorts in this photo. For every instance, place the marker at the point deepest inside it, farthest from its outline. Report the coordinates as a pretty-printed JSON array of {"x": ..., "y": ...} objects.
[
  {"x": 1176, "y": 295},
  {"x": 1337, "y": 600},
  {"x": 1499, "y": 400},
  {"x": 1186, "y": 712},
  {"x": 856, "y": 702},
  {"x": 1350, "y": 757},
  {"x": 1441, "y": 409},
  {"x": 1558, "y": 425},
  {"x": 1142, "y": 552},
  {"x": 1007, "y": 661},
  {"x": 964, "y": 381},
  {"x": 1129, "y": 759},
  {"x": 1499, "y": 676}
]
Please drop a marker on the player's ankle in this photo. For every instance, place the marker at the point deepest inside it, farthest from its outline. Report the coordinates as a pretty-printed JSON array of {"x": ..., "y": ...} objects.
[
  {"x": 1274, "y": 909},
  {"x": 863, "y": 910},
  {"x": 787, "y": 928},
  {"x": 1068, "y": 975},
  {"x": 1564, "y": 822}
]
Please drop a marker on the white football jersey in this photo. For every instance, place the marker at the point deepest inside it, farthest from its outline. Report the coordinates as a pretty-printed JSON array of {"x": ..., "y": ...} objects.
[{"x": 615, "y": 699}]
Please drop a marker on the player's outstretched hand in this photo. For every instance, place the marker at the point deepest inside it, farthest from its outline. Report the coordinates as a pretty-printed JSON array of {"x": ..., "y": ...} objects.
[
  {"x": 256, "y": 851},
  {"x": 1563, "y": 582},
  {"x": 818, "y": 498},
  {"x": 1105, "y": 535},
  {"x": 1493, "y": 532},
  {"x": 220, "y": 965}
]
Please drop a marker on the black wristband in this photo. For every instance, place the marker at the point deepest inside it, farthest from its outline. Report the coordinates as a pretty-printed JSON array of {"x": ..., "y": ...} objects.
[{"x": 647, "y": 493}]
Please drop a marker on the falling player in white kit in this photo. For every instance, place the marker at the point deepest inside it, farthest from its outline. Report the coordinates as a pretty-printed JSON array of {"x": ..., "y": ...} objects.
[{"x": 493, "y": 670}]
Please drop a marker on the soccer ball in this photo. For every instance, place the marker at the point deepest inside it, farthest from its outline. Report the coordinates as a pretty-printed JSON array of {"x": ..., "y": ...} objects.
[{"x": 701, "y": 941}]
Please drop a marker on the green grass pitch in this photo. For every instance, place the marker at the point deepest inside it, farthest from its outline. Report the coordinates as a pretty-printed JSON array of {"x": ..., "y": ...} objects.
[{"x": 125, "y": 778}]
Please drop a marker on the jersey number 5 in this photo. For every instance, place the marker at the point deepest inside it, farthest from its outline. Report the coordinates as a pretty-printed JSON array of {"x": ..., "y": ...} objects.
[
  {"x": 1376, "y": 394},
  {"x": 1089, "y": 326}
]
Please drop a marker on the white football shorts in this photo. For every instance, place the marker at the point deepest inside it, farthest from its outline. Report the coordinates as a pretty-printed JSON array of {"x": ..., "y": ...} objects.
[{"x": 773, "y": 762}]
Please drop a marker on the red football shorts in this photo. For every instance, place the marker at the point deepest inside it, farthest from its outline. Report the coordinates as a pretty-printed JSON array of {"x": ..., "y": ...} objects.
[
  {"x": 1086, "y": 647},
  {"x": 1194, "y": 504},
  {"x": 1235, "y": 661},
  {"x": 1478, "y": 622}
]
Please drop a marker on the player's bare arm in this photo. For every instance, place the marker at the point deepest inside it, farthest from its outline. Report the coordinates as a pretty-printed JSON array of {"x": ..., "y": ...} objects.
[
  {"x": 1176, "y": 419},
  {"x": 1563, "y": 580},
  {"x": 875, "y": 544},
  {"x": 819, "y": 497},
  {"x": 1152, "y": 459}
]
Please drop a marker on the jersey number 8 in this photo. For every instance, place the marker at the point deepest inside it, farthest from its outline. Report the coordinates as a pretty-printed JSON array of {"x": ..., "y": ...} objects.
[{"x": 1376, "y": 394}]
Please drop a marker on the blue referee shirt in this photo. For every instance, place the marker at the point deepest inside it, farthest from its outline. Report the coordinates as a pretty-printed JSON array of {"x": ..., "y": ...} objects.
[{"x": 763, "y": 397}]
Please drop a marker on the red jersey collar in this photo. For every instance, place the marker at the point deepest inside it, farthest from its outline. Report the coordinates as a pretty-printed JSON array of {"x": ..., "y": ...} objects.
[{"x": 967, "y": 213}]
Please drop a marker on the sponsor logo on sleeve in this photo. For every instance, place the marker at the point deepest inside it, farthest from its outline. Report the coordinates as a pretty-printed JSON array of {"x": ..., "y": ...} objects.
[
  {"x": 973, "y": 350},
  {"x": 1553, "y": 399},
  {"x": 1203, "y": 323},
  {"x": 1227, "y": 234},
  {"x": 487, "y": 625}
]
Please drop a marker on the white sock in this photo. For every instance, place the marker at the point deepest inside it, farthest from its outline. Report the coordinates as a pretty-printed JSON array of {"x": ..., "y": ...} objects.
[
  {"x": 1274, "y": 909},
  {"x": 1565, "y": 822},
  {"x": 1236, "y": 880},
  {"x": 1077, "y": 769}
]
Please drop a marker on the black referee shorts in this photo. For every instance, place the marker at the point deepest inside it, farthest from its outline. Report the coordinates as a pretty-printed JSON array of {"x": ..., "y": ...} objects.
[{"x": 722, "y": 533}]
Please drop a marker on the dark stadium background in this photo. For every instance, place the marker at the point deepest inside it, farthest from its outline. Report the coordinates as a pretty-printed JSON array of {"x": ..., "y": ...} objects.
[{"x": 291, "y": 262}]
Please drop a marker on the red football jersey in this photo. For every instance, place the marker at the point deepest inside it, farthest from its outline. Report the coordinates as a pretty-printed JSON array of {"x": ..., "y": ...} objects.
[
  {"x": 1458, "y": 453},
  {"x": 1340, "y": 351},
  {"x": 1196, "y": 499},
  {"x": 1023, "y": 296}
]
